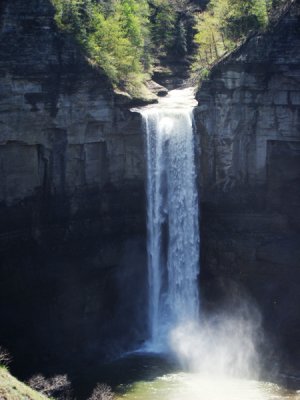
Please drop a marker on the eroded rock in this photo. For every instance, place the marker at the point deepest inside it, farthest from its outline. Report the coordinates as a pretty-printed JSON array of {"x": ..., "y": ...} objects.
[{"x": 249, "y": 138}]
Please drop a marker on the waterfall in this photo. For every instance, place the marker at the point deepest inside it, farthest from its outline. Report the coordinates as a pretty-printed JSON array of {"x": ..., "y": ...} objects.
[{"x": 173, "y": 227}]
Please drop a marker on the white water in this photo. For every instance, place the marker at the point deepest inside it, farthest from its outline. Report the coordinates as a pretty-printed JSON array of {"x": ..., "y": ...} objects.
[
  {"x": 224, "y": 344},
  {"x": 182, "y": 386},
  {"x": 173, "y": 230},
  {"x": 220, "y": 351}
]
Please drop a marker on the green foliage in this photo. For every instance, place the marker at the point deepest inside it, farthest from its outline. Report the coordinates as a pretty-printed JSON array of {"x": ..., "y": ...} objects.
[
  {"x": 168, "y": 31},
  {"x": 225, "y": 23},
  {"x": 113, "y": 33},
  {"x": 180, "y": 45},
  {"x": 244, "y": 17},
  {"x": 124, "y": 36},
  {"x": 112, "y": 49},
  {"x": 163, "y": 18},
  {"x": 210, "y": 38}
]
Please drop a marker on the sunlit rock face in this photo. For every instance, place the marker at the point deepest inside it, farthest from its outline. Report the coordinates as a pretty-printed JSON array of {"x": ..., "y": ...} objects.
[
  {"x": 248, "y": 122},
  {"x": 72, "y": 201}
]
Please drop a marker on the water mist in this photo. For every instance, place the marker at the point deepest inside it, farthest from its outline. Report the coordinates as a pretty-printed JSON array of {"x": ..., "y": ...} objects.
[
  {"x": 218, "y": 353},
  {"x": 226, "y": 343},
  {"x": 223, "y": 345}
]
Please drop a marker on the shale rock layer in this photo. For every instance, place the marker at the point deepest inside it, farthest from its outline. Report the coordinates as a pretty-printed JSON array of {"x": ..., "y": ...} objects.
[{"x": 249, "y": 138}]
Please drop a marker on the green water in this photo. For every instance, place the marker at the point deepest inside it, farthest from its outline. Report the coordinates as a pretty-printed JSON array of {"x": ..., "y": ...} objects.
[
  {"x": 157, "y": 377},
  {"x": 152, "y": 377},
  {"x": 185, "y": 386}
]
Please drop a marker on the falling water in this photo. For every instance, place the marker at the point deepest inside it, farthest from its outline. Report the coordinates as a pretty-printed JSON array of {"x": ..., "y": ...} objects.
[
  {"x": 218, "y": 352},
  {"x": 173, "y": 230}
]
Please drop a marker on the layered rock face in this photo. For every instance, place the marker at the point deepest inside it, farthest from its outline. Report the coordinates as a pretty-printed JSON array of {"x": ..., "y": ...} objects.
[
  {"x": 71, "y": 195},
  {"x": 249, "y": 131}
]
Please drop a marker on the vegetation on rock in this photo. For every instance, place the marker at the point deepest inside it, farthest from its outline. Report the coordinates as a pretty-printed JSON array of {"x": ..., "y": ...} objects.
[
  {"x": 40, "y": 388},
  {"x": 113, "y": 34},
  {"x": 5, "y": 357},
  {"x": 58, "y": 387},
  {"x": 102, "y": 392},
  {"x": 124, "y": 36},
  {"x": 225, "y": 24},
  {"x": 12, "y": 389}
]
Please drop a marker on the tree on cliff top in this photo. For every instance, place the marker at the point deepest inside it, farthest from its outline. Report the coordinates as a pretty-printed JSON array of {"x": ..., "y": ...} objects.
[
  {"x": 225, "y": 24},
  {"x": 113, "y": 34},
  {"x": 244, "y": 17},
  {"x": 124, "y": 37}
]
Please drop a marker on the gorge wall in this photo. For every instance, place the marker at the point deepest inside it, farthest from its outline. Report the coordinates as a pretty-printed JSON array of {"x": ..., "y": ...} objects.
[
  {"x": 72, "y": 201},
  {"x": 72, "y": 191},
  {"x": 249, "y": 130}
]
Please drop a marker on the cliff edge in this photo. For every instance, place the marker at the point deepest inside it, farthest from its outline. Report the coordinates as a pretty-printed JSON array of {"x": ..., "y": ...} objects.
[
  {"x": 72, "y": 201},
  {"x": 249, "y": 138}
]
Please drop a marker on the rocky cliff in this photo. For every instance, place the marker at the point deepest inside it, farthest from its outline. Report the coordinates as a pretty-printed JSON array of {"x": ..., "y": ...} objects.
[
  {"x": 72, "y": 201},
  {"x": 71, "y": 197},
  {"x": 249, "y": 130}
]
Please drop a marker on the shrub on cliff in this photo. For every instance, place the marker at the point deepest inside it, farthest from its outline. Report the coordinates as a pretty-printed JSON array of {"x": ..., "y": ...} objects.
[
  {"x": 102, "y": 392},
  {"x": 226, "y": 23},
  {"x": 5, "y": 357},
  {"x": 58, "y": 387},
  {"x": 114, "y": 35},
  {"x": 124, "y": 37}
]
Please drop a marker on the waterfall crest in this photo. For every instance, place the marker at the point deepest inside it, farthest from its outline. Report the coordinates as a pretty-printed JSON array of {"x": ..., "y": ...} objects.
[{"x": 173, "y": 227}]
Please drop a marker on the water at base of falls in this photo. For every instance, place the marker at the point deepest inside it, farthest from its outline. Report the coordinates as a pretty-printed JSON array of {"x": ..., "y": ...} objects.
[
  {"x": 183, "y": 386},
  {"x": 173, "y": 228},
  {"x": 217, "y": 352}
]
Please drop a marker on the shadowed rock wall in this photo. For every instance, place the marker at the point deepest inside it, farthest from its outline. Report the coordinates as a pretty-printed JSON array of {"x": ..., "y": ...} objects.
[
  {"x": 249, "y": 130},
  {"x": 72, "y": 202}
]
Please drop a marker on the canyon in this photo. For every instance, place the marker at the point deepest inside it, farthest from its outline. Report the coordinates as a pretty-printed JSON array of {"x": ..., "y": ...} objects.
[{"x": 73, "y": 192}]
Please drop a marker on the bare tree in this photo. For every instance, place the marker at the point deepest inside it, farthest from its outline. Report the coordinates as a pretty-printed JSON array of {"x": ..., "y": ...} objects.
[
  {"x": 58, "y": 386},
  {"x": 5, "y": 357},
  {"x": 102, "y": 392}
]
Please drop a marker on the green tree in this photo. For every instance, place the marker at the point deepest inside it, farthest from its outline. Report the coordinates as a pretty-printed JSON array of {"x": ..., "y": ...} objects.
[
  {"x": 180, "y": 44},
  {"x": 133, "y": 17},
  {"x": 244, "y": 17},
  {"x": 134, "y": 20},
  {"x": 114, "y": 34},
  {"x": 163, "y": 18},
  {"x": 211, "y": 37},
  {"x": 224, "y": 24}
]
